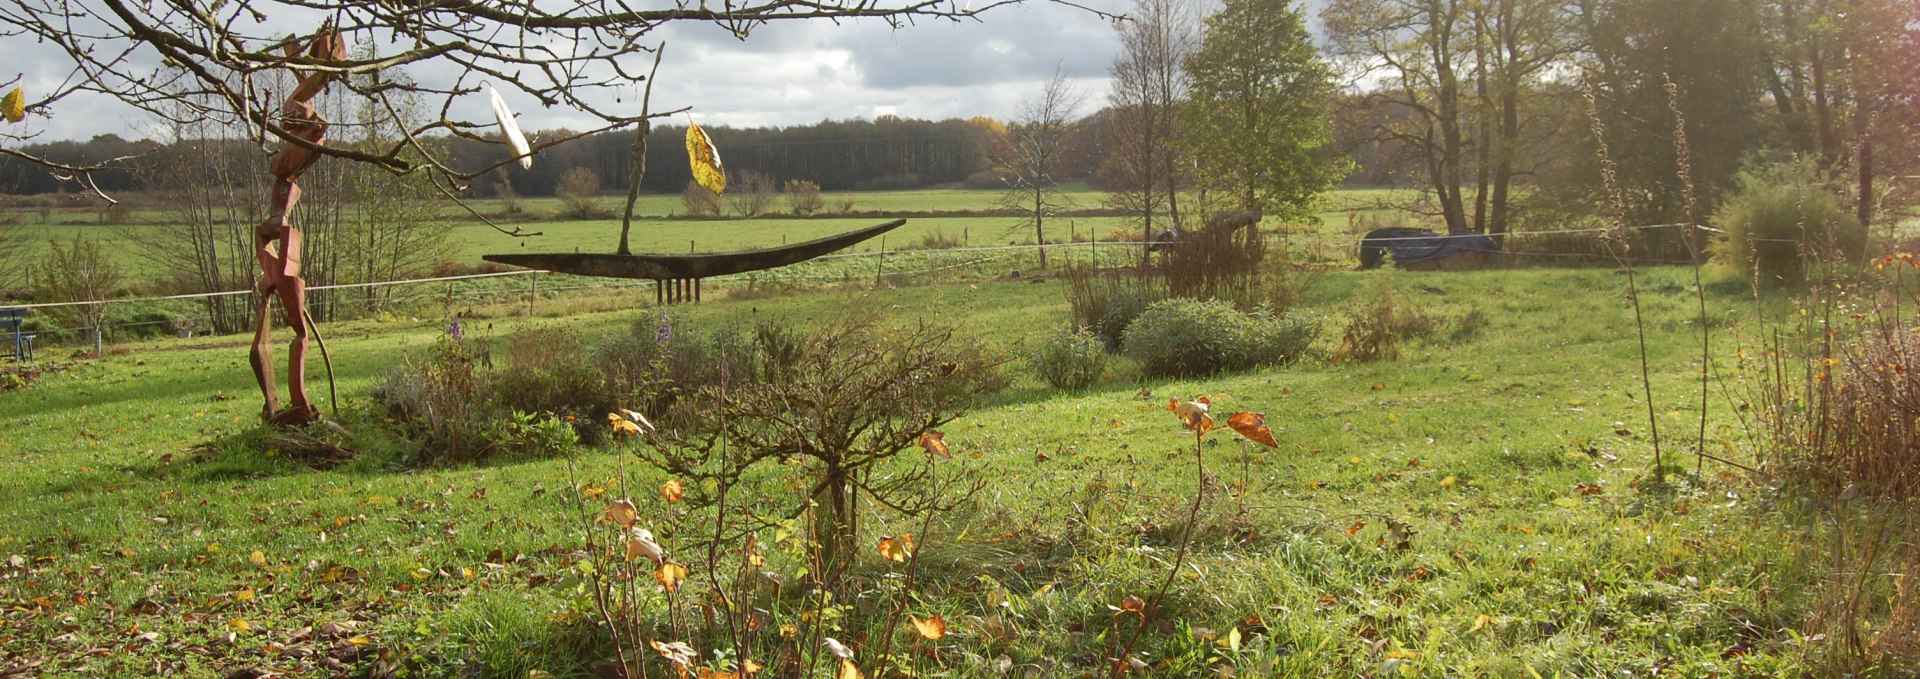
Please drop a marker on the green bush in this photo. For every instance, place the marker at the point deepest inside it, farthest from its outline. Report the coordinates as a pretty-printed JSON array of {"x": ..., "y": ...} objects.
[
  {"x": 1185, "y": 338},
  {"x": 1106, "y": 305},
  {"x": 1070, "y": 359},
  {"x": 1783, "y": 220}
]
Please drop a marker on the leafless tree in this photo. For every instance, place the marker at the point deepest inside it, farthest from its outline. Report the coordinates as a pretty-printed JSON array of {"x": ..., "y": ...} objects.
[
  {"x": 12, "y": 258},
  {"x": 79, "y": 271},
  {"x": 209, "y": 182},
  {"x": 1030, "y": 162},
  {"x": 1142, "y": 165}
]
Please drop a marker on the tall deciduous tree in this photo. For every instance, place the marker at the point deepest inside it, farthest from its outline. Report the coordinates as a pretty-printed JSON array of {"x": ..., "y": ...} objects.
[
  {"x": 1416, "y": 51},
  {"x": 1035, "y": 151},
  {"x": 1841, "y": 75},
  {"x": 1143, "y": 169},
  {"x": 1633, "y": 50},
  {"x": 1458, "y": 78},
  {"x": 1258, "y": 117}
]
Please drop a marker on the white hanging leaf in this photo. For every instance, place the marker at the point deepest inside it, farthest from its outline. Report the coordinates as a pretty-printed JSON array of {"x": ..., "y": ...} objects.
[{"x": 510, "y": 129}]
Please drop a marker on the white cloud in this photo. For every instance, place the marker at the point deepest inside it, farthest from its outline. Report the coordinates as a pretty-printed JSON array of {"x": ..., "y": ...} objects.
[{"x": 785, "y": 73}]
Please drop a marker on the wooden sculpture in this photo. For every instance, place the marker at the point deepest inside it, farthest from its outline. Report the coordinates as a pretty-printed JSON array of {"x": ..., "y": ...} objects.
[{"x": 277, "y": 243}]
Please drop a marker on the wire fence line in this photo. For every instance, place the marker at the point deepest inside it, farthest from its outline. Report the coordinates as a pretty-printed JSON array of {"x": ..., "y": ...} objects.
[{"x": 1004, "y": 251}]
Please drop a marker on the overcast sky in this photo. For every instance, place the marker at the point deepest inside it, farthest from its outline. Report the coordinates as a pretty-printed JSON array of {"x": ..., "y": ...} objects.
[{"x": 785, "y": 73}]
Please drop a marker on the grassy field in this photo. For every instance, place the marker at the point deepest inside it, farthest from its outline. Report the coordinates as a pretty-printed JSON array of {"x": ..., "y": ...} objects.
[
  {"x": 148, "y": 530},
  {"x": 936, "y": 217}
]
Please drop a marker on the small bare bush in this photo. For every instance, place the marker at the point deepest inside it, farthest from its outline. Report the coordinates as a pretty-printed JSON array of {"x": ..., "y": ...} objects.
[
  {"x": 804, "y": 197},
  {"x": 1377, "y": 321},
  {"x": 749, "y": 194},
  {"x": 699, "y": 201},
  {"x": 579, "y": 193}
]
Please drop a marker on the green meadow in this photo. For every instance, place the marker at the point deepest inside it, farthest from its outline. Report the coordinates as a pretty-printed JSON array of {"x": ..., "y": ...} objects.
[{"x": 1480, "y": 507}]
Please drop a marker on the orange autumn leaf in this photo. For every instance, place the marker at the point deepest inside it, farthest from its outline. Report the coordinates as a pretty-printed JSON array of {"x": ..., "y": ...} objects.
[
  {"x": 897, "y": 548},
  {"x": 672, "y": 490},
  {"x": 934, "y": 441},
  {"x": 1254, "y": 427},
  {"x": 670, "y": 575},
  {"x": 931, "y": 628},
  {"x": 1131, "y": 604}
]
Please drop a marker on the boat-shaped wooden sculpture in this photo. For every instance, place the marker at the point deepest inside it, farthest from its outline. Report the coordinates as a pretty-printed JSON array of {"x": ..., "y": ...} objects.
[{"x": 677, "y": 277}]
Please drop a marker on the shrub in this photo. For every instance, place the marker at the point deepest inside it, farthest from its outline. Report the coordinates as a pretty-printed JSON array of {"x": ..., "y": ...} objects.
[
  {"x": 699, "y": 200},
  {"x": 1185, "y": 338},
  {"x": 1106, "y": 305},
  {"x": 439, "y": 400},
  {"x": 579, "y": 193},
  {"x": 1780, "y": 221},
  {"x": 1070, "y": 359},
  {"x": 1376, "y": 323},
  {"x": 804, "y": 197}
]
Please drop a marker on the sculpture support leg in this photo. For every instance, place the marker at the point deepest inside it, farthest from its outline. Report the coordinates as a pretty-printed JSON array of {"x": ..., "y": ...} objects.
[
  {"x": 293, "y": 298},
  {"x": 262, "y": 354}
]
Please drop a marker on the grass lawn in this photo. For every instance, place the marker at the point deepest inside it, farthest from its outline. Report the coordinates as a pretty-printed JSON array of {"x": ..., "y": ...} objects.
[{"x": 1476, "y": 508}]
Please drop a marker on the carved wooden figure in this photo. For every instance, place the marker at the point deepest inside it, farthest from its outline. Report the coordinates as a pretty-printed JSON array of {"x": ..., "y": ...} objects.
[{"x": 277, "y": 243}]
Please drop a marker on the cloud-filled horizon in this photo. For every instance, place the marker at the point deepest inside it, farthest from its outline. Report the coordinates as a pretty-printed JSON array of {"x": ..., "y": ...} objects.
[{"x": 783, "y": 74}]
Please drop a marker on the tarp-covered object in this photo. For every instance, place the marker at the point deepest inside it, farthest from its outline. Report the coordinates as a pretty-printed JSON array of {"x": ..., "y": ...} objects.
[{"x": 1413, "y": 246}]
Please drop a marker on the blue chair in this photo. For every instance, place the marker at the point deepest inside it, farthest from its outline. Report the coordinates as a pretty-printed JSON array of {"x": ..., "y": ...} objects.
[{"x": 11, "y": 320}]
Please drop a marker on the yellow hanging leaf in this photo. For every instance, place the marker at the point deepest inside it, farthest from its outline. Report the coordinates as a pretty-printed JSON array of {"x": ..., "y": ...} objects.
[
  {"x": 640, "y": 543},
  {"x": 1193, "y": 413},
  {"x": 14, "y": 106},
  {"x": 672, "y": 491},
  {"x": 897, "y": 549},
  {"x": 705, "y": 160},
  {"x": 622, "y": 427},
  {"x": 670, "y": 575}
]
